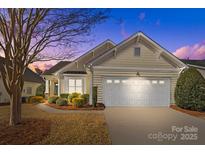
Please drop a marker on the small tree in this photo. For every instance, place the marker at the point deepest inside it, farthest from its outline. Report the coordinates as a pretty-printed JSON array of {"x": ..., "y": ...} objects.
[
  {"x": 190, "y": 90},
  {"x": 28, "y": 35},
  {"x": 40, "y": 91}
]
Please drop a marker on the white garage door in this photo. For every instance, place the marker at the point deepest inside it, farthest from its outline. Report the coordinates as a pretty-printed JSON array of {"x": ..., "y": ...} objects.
[{"x": 136, "y": 92}]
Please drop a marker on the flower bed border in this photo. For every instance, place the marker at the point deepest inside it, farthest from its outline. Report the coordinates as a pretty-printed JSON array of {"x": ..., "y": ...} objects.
[
  {"x": 99, "y": 107},
  {"x": 193, "y": 113}
]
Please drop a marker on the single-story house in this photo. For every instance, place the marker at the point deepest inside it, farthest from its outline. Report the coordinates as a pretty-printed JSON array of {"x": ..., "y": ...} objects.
[
  {"x": 32, "y": 82},
  {"x": 135, "y": 72}
]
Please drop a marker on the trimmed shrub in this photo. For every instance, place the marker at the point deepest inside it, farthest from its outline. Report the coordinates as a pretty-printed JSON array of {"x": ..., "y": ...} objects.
[
  {"x": 95, "y": 89},
  {"x": 72, "y": 96},
  {"x": 40, "y": 91},
  {"x": 52, "y": 99},
  {"x": 62, "y": 102},
  {"x": 78, "y": 102},
  {"x": 35, "y": 99},
  {"x": 85, "y": 97},
  {"x": 65, "y": 95},
  {"x": 190, "y": 90}
]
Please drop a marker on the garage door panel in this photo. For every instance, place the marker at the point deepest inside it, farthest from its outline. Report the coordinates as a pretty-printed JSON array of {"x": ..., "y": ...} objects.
[{"x": 136, "y": 92}]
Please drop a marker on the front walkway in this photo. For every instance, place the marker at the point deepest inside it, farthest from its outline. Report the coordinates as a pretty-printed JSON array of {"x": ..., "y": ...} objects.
[{"x": 49, "y": 109}]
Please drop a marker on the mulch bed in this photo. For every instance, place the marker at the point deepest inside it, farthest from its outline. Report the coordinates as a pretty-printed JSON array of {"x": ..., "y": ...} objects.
[
  {"x": 71, "y": 107},
  {"x": 30, "y": 131},
  {"x": 193, "y": 113}
]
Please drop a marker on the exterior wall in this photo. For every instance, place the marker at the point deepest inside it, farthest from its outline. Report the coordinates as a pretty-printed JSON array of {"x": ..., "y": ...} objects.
[
  {"x": 98, "y": 77},
  {"x": 124, "y": 59},
  {"x": 64, "y": 83},
  {"x": 86, "y": 82},
  {"x": 88, "y": 79},
  {"x": 52, "y": 79},
  {"x": 4, "y": 97},
  {"x": 148, "y": 58},
  {"x": 85, "y": 58},
  {"x": 32, "y": 85}
]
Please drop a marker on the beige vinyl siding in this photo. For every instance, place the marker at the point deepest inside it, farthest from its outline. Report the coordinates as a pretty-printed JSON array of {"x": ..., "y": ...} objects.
[
  {"x": 98, "y": 77},
  {"x": 33, "y": 87},
  {"x": 4, "y": 97},
  {"x": 79, "y": 64},
  {"x": 62, "y": 90},
  {"x": 87, "y": 80},
  {"x": 147, "y": 59}
]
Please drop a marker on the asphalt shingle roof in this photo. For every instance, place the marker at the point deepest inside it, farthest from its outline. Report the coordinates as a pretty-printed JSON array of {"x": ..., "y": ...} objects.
[
  {"x": 194, "y": 62},
  {"x": 29, "y": 75},
  {"x": 75, "y": 72},
  {"x": 56, "y": 67}
]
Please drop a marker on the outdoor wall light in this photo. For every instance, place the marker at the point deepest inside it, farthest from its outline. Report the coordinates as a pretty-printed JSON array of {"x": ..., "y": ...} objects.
[{"x": 138, "y": 74}]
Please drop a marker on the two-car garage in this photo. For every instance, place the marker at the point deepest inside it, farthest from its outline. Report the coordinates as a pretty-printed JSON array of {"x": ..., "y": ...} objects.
[{"x": 136, "y": 91}]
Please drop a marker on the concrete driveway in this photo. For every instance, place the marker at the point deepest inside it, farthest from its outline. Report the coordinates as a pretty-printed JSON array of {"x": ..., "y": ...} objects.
[{"x": 139, "y": 125}]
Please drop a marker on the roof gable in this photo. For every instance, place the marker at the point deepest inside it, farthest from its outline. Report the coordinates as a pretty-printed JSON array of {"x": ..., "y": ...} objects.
[
  {"x": 125, "y": 57},
  {"x": 29, "y": 75},
  {"x": 79, "y": 63},
  {"x": 137, "y": 38},
  {"x": 56, "y": 67}
]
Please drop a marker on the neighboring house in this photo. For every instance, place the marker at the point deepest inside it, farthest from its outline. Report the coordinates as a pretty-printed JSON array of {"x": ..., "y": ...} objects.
[
  {"x": 31, "y": 82},
  {"x": 198, "y": 64},
  {"x": 135, "y": 72}
]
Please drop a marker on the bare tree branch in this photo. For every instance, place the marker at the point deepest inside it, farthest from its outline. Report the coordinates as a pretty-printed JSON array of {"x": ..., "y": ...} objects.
[{"x": 27, "y": 34}]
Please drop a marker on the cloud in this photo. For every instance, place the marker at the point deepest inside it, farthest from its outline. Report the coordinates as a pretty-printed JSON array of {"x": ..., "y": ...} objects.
[
  {"x": 142, "y": 16},
  {"x": 42, "y": 65},
  {"x": 196, "y": 51},
  {"x": 123, "y": 32}
]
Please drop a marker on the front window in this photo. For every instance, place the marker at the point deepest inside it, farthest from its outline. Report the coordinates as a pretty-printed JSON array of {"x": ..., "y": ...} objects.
[
  {"x": 76, "y": 85},
  {"x": 29, "y": 90}
]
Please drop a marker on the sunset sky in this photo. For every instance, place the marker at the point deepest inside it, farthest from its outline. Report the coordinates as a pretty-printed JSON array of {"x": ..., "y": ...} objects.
[{"x": 181, "y": 31}]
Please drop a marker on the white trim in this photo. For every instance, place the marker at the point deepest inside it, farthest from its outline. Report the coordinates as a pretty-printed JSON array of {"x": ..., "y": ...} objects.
[
  {"x": 90, "y": 51},
  {"x": 91, "y": 89},
  {"x": 75, "y": 75},
  {"x": 66, "y": 79},
  {"x": 200, "y": 67},
  {"x": 163, "y": 50},
  {"x": 47, "y": 87},
  {"x": 59, "y": 86},
  {"x": 136, "y": 68},
  {"x": 140, "y": 34}
]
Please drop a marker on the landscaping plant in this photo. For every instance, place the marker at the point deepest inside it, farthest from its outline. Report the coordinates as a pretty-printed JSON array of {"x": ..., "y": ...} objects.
[
  {"x": 64, "y": 95},
  {"x": 35, "y": 99},
  {"x": 40, "y": 91},
  {"x": 190, "y": 90},
  {"x": 72, "y": 96},
  {"x": 25, "y": 35},
  {"x": 85, "y": 97},
  {"x": 62, "y": 102},
  {"x": 78, "y": 102},
  {"x": 52, "y": 99}
]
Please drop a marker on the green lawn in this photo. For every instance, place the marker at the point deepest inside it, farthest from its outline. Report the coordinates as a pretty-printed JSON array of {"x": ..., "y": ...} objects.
[{"x": 39, "y": 127}]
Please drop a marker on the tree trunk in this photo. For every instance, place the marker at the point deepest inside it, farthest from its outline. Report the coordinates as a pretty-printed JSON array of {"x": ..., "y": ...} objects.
[
  {"x": 19, "y": 101},
  {"x": 15, "y": 107}
]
